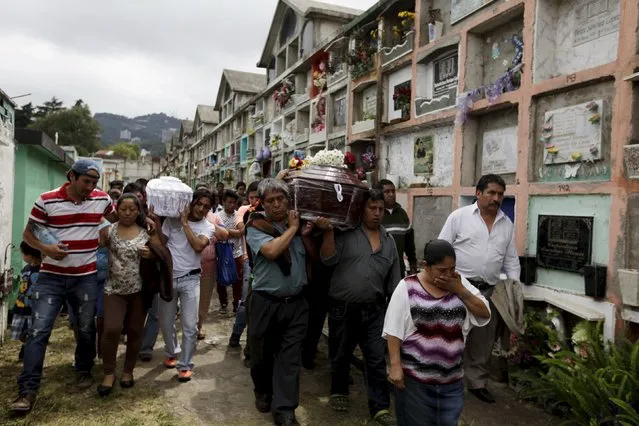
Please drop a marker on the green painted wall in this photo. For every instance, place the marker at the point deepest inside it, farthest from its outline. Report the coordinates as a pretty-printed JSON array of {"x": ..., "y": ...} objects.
[
  {"x": 597, "y": 206},
  {"x": 35, "y": 172}
]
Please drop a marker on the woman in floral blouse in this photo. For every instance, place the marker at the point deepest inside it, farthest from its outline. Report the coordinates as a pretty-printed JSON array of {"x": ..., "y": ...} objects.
[{"x": 123, "y": 304}]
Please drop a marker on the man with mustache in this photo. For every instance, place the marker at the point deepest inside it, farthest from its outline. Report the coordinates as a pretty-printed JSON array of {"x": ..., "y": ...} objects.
[{"x": 484, "y": 241}]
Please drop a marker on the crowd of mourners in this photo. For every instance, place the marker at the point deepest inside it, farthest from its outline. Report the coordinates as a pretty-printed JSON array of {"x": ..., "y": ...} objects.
[{"x": 118, "y": 269}]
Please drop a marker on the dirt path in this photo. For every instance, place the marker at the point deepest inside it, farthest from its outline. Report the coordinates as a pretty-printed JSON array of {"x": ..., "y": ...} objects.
[{"x": 221, "y": 391}]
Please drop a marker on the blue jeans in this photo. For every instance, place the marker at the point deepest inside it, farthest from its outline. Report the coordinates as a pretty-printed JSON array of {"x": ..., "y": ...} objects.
[
  {"x": 428, "y": 404},
  {"x": 187, "y": 291},
  {"x": 151, "y": 328},
  {"x": 99, "y": 305},
  {"x": 49, "y": 293},
  {"x": 240, "y": 317}
]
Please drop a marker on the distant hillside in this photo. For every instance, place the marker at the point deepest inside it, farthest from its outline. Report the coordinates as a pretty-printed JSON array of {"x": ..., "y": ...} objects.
[{"x": 148, "y": 128}]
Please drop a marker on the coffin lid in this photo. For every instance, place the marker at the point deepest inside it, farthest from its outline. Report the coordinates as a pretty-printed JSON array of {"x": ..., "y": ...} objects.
[{"x": 327, "y": 174}]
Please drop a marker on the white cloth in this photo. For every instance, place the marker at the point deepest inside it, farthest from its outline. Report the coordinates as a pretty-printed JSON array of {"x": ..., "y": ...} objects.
[
  {"x": 479, "y": 254},
  {"x": 230, "y": 221},
  {"x": 399, "y": 321},
  {"x": 185, "y": 259}
]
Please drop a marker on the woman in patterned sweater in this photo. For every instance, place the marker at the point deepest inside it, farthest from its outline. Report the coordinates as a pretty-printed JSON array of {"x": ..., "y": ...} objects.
[{"x": 427, "y": 320}]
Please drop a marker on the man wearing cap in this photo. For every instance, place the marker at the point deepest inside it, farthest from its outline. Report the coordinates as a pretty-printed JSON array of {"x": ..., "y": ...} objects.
[{"x": 64, "y": 225}]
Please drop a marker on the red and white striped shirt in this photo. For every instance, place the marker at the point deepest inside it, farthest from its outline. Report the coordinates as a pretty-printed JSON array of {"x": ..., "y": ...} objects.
[{"x": 74, "y": 224}]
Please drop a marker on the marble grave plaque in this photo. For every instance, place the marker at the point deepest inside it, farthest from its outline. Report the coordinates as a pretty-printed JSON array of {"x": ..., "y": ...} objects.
[
  {"x": 499, "y": 151},
  {"x": 573, "y": 133},
  {"x": 459, "y": 9},
  {"x": 595, "y": 19},
  {"x": 564, "y": 242}
]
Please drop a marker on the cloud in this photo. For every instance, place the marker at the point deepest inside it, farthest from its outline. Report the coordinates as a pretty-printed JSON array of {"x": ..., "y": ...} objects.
[{"x": 131, "y": 57}]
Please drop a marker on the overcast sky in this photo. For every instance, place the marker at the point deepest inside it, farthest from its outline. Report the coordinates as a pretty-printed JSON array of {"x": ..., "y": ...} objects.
[{"x": 131, "y": 57}]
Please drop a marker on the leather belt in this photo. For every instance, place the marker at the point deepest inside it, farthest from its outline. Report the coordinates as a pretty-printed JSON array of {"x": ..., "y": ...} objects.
[
  {"x": 278, "y": 299},
  {"x": 480, "y": 285},
  {"x": 193, "y": 272}
]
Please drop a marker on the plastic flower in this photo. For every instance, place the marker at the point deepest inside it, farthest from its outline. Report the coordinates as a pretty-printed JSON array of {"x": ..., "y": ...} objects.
[{"x": 349, "y": 158}]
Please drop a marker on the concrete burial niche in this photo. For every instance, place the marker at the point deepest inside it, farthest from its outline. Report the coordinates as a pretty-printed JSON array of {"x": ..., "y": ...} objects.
[
  {"x": 574, "y": 35},
  {"x": 490, "y": 146},
  {"x": 632, "y": 237},
  {"x": 364, "y": 108},
  {"x": 429, "y": 216},
  {"x": 567, "y": 122},
  {"x": 492, "y": 48},
  {"x": 392, "y": 82},
  {"x": 631, "y": 151},
  {"x": 420, "y": 157},
  {"x": 437, "y": 81},
  {"x": 595, "y": 206},
  {"x": 441, "y": 8}
]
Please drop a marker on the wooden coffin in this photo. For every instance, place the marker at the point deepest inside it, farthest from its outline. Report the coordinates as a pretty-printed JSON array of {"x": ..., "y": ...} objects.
[{"x": 334, "y": 193}]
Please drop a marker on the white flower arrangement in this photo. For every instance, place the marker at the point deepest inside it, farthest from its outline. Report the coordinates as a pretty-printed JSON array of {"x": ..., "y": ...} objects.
[{"x": 334, "y": 158}]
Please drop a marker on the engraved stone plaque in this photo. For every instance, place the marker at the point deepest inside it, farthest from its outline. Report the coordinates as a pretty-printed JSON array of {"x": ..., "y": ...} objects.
[
  {"x": 573, "y": 134},
  {"x": 459, "y": 9},
  {"x": 499, "y": 153},
  {"x": 564, "y": 242}
]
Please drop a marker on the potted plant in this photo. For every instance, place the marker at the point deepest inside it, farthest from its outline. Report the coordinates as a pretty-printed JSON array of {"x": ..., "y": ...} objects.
[
  {"x": 401, "y": 98},
  {"x": 361, "y": 59},
  {"x": 405, "y": 28},
  {"x": 283, "y": 95},
  {"x": 369, "y": 160}
]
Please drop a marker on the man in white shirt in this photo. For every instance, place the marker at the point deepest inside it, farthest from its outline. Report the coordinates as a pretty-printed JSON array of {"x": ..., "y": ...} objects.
[
  {"x": 185, "y": 238},
  {"x": 484, "y": 241}
]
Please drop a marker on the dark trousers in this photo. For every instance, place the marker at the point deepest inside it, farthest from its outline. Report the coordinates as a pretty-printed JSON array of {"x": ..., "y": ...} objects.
[
  {"x": 479, "y": 347},
  {"x": 237, "y": 286},
  {"x": 49, "y": 294},
  {"x": 429, "y": 404},
  {"x": 275, "y": 335},
  {"x": 317, "y": 297},
  {"x": 122, "y": 312},
  {"x": 350, "y": 325}
]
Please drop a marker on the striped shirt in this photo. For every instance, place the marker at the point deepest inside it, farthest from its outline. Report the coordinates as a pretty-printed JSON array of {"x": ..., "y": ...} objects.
[
  {"x": 432, "y": 331},
  {"x": 74, "y": 224}
]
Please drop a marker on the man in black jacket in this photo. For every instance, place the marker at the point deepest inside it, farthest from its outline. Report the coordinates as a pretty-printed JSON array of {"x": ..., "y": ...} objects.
[{"x": 397, "y": 223}]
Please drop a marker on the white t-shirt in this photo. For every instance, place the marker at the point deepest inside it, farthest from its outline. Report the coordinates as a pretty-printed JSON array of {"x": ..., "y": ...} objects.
[
  {"x": 399, "y": 322},
  {"x": 185, "y": 259},
  {"x": 230, "y": 221}
]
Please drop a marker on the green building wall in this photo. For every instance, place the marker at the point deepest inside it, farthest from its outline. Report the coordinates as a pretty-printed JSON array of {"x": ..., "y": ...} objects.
[{"x": 35, "y": 172}]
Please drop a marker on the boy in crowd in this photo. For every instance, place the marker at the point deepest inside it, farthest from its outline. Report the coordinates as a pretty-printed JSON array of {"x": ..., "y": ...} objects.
[
  {"x": 229, "y": 218},
  {"x": 21, "y": 322}
]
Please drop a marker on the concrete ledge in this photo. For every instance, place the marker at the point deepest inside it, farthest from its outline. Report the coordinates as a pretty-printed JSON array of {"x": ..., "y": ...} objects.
[{"x": 579, "y": 305}]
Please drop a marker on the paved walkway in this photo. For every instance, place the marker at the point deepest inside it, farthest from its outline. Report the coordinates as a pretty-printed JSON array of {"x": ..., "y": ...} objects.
[{"x": 221, "y": 392}]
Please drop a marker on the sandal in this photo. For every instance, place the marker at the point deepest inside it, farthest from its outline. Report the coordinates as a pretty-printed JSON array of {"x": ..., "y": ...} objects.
[{"x": 339, "y": 403}]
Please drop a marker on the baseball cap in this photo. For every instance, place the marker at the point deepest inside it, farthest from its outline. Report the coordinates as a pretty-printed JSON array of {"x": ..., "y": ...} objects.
[{"x": 84, "y": 165}]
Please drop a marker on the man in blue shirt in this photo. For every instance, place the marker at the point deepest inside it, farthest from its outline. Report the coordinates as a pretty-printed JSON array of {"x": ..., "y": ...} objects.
[{"x": 278, "y": 310}]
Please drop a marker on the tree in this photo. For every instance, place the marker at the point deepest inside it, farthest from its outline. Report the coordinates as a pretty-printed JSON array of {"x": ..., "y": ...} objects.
[
  {"x": 24, "y": 116},
  {"x": 127, "y": 150},
  {"x": 75, "y": 126},
  {"x": 49, "y": 107}
]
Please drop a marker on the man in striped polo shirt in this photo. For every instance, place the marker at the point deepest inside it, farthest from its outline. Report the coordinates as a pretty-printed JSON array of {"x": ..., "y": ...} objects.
[{"x": 64, "y": 225}]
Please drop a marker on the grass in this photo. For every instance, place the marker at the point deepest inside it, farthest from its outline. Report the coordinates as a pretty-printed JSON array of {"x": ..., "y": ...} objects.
[{"x": 60, "y": 403}]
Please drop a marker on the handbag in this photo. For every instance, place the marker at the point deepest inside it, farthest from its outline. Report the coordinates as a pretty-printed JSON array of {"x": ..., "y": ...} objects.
[{"x": 226, "y": 270}]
